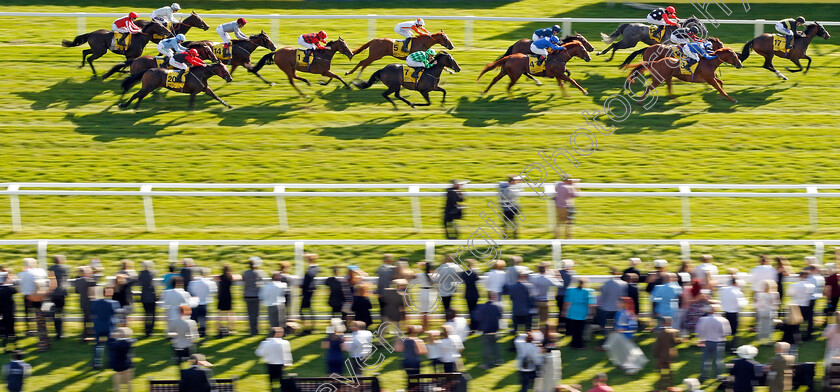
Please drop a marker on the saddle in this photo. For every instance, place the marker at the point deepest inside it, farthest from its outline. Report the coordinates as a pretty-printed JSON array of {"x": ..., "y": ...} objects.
[
  {"x": 407, "y": 75},
  {"x": 533, "y": 68},
  {"x": 780, "y": 43},
  {"x": 300, "y": 59},
  {"x": 690, "y": 71},
  {"x": 171, "y": 75},
  {"x": 121, "y": 48},
  {"x": 398, "y": 45},
  {"x": 652, "y": 33}
]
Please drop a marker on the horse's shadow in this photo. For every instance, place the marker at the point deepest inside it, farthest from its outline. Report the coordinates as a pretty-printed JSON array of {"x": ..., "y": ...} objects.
[
  {"x": 132, "y": 124},
  {"x": 260, "y": 114},
  {"x": 341, "y": 98},
  {"x": 66, "y": 94},
  {"x": 371, "y": 129},
  {"x": 496, "y": 110},
  {"x": 749, "y": 97}
]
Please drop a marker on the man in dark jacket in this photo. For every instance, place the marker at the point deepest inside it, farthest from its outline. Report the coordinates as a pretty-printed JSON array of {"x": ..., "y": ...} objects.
[
  {"x": 470, "y": 278},
  {"x": 60, "y": 272},
  {"x": 452, "y": 209},
  {"x": 7, "y": 310},
  {"x": 104, "y": 312},
  {"x": 148, "y": 296},
  {"x": 196, "y": 378},
  {"x": 488, "y": 315},
  {"x": 521, "y": 295},
  {"x": 83, "y": 284},
  {"x": 307, "y": 289}
]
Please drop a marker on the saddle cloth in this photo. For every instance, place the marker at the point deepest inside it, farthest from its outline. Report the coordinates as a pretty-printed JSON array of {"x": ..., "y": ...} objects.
[
  {"x": 686, "y": 71},
  {"x": 120, "y": 48},
  {"x": 407, "y": 72},
  {"x": 651, "y": 33},
  {"x": 779, "y": 43},
  {"x": 300, "y": 56},
  {"x": 219, "y": 50},
  {"x": 171, "y": 75},
  {"x": 398, "y": 44},
  {"x": 533, "y": 68}
]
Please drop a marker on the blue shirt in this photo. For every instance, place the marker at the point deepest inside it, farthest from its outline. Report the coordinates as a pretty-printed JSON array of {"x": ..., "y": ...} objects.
[
  {"x": 172, "y": 43},
  {"x": 542, "y": 285},
  {"x": 104, "y": 312},
  {"x": 699, "y": 49},
  {"x": 666, "y": 299},
  {"x": 579, "y": 301},
  {"x": 542, "y": 33},
  {"x": 488, "y": 316},
  {"x": 548, "y": 42}
]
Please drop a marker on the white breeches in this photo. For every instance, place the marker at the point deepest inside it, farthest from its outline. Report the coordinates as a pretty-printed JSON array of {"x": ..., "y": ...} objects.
[
  {"x": 536, "y": 50},
  {"x": 306, "y": 45},
  {"x": 782, "y": 29},
  {"x": 177, "y": 65},
  {"x": 655, "y": 22},
  {"x": 415, "y": 64},
  {"x": 223, "y": 34}
]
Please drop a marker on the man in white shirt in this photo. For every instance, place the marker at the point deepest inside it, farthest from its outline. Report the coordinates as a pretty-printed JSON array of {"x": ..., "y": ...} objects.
[
  {"x": 276, "y": 352},
  {"x": 360, "y": 345},
  {"x": 705, "y": 268},
  {"x": 171, "y": 300},
  {"x": 801, "y": 294},
  {"x": 33, "y": 280},
  {"x": 713, "y": 330},
  {"x": 733, "y": 300},
  {"x": 496, "y": 279},
  {"x": 815, "y": 278},
  {"x": 448, "y": 281},
  {"x": 203, "y": 289},
  {"x": 273, "y": 297},
  {"x": 183, "y": 332},
  {"x": 763, "y": 271}
]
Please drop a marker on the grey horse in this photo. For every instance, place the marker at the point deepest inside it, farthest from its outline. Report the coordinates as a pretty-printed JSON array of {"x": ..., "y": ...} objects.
[{"x": 632, "y": 33}]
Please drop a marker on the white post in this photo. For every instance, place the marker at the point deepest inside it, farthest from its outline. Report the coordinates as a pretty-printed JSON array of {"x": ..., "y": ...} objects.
[
  {"x": 468, "y": 32},
  {"x": 819, "y": 251},
  {"x": 148, "y": 208},
  {"x": 173, "y": 251},
  {"x": 274, "y": 30},
  {"x": 686, "y": 208},
  {"x": 416, "y": 214},
  {"x": 371, "y": 26},
  {"x": 81, "y": 23},
  {"x": 557, "y": 253},
  {"x": 551, "y": 210},
  {"x": 759, "y": 27},
  {"x": 430, "y": 251},
  {"x": 42, "y": 254},
  {"x": 299, "y": 258},
  {"x": 685, "y": 250},
  {"x": 15, "y": 206},
  {"x": 567, "y": 26},
  {"x": 282, "y": 218},
  {"x": 813, "y": 217}
]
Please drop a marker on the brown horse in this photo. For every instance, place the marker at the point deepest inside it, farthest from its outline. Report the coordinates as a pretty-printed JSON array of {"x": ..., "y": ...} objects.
[
  {"x": 660, "y": 51},
  {"x": 664, "y": 70},
  {"x": 392, "y": 76},
  {"x": 145, "y": 62},
  {"x": 286, "y": 60},
  {"x": 179, "y": 28},
  {"x": 524, "y": 45},
  {"x": 763, "y": 45},
  {"x": 100, "y": 43},
  {"x": 195, "y": 81},
  {"x": 381, "y": 47},
  {"x": 240, "y": 51},
  {"x": 516, "y": 65}
]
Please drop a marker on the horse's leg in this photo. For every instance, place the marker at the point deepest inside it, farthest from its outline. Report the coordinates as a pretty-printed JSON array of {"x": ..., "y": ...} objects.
[
  {"x": 209, "y": 91},
  {"x": 768, "y": 64},
  {"x": 529, "y": 76},
  {"x": 92, "y": 57},
  {"x": 85, "y": 53},
  {"x": 563, "y": 76},
  {"x": 562, "y": 86},
  {"x": 513, "y": 79},
  {"x": 139, "y": 95},
  {"x": 363, "y": 64},
  {"x": 250, "y": 69},
  {"x": 233, "y": 67},
  {"x": 607, "y": 49},
  {"x": 192, "y": 99},
  {"x": 720, "y": 90},
  {"x": 438, "y": 88},
  {"x": 292, "y": 77},
  {"x": 805, "y": 56},
  {"x": 496, "y": 79},
  {"x": 334, "y": 76},
  {"x": 386, "y": 93},
  {"x": 397, "y": 94},
  {"x": 795, "y": 62},
  {"x": 425, "y": 95}
]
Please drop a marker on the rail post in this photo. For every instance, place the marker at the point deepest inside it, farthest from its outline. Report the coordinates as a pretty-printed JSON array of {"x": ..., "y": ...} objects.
[
  {"x": 14, "y": 204},
  {"x": 819, "y": 251},
  {"x": 685, "y": 250},
  {"x": 371, "y": 26},
  {"x": 468, "y": 32},
  {"x": 282, "y": 217},
  {"x": 81, "y": 23},
  {"x": 557, "y": 253},
  {"x": 42, "y": 254},
  {"x": 148, "y": 208},
  {"x": 299, "y": 258},
  {"x": 686, "y": 207},
  {"x": 813, "y": 217},
  {"x": 416, "y": 214},
  {"x": 173, "y": 251},
  {"x": 430, "y": 251},
  {"x": 567, "y": 26},
  {"x": 758, "y": 27},
  {"x": 274, "y": 30}
]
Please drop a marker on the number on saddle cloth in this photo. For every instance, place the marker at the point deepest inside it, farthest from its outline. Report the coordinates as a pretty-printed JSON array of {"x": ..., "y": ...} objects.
[
  {"x": 780, "y": 43},
  {"x": 171, "y": 77},
  {"x": 301, "y": 58},
  {"x": 219, "y": 51},
  {"x": 408, "y": 74},
  {"x": 533, "y": 68},
  {"x": 398, "y": 48}
]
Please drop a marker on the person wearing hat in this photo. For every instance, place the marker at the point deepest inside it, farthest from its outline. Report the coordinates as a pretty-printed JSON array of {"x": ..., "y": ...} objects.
[
  {"x": 452, "y": 209},
  {"x": 564, "y": 203},
  {"x": 781, "y": 369},
  {"x": 509, "y": 200},
  {"x": 745, "y": 369},
  {"x": 252, "y": 280},
  {"x": 196, "y": 378},
  {"x": 713, "y": 330}
]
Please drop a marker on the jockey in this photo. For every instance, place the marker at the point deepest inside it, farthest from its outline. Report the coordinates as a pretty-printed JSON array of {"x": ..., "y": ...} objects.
[
  {"x": 681, "y": 36},
  {"x": 231, "y": 27},
  {"x": 125, "y": 25},
  {"x": 420, "y": 60},
  {"x": 546, "y": 32},
  {"x": 788, "y": 28},
  {"x": 179, "y": 61},
  {"x": 312, "y": 41},
  {"x": 170, "y": 46},
  {"x": 164, "y": 15},
  {"x": 407, "y": 30},
  {"x": 693, "y": 50},
  {"x": 662, "y": 17},
  {"x": 542, "y": 45}
]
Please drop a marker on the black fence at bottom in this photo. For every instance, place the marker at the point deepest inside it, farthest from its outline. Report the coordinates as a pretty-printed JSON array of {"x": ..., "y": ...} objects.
[
  {"x": 218, "y": 384},
  {"x": 434, "y": 382},
  {"x": 328, "y": 384}
]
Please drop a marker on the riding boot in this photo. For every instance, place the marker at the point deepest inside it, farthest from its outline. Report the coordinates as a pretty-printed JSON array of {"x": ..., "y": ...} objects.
[
  {"x": 658, "y": 30},
  {"x": 540, "y": 60},
  {"x": 121, "y": 41},
  {"x": 405, "y": 44},
  {"x": 788, "y": 41},
  {"x": 417, "y": 71},
  {"x": 689, "y": 63},
  {"x": 306, "y": 54},
  {"x": 180, "y": 77},
  {"x": 226, "y": 50}
]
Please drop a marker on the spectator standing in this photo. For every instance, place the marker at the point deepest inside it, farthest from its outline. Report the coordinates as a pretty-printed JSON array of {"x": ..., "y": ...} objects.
[
  {"x": 225, "y": 300},
  {"x": 432, "y": 349},
  {"x": 666, "y": 298},
  {"x": 509, "y": 200},
  {"x": 173, "y": 299},
  {"x": 832, "y": 289},
  {"x": 452, "y": 209},
  {"x": 514, "y": 269},
  {"x": 564, "y": 203},
  {"x": 15, "y": 371},
  {"x": 633, "y": 292},
  {"x": 335, "y": 347},
  {"x": 448, "y": 281},
  {"x": 578, "y": 307},
  {"x": 784, "y": 269},
  {"x": 621, "y": 349},
  {"x": 60, "y": 273},
  {"x": 745, "y": 369},
  {"x": 565, "y": 275},
  {"x": 496, "y": 279},
  {"x": 458, "y": 324},
  {"x": 449, "y": 349},
  {"x": 33, "y": 282},
  {"x": 611, "y": 291},
  {"x": 203, "y": 288},
  {"x": 766, "y": 307},
  {"x": 148, "y": 296},
  {"x": 522, "y": 298},
  {"x": 189, "y": 271},
  {"x": 337, "y": 299},
  {"x": 801, "y": 295},
  {"x": 762, "y": 273},
  {"x": 120, "y": 356},
  {"x": 733, "y": 300},
  {"x": 183, "y": 333},
  {"x": 781, "y": 369},
  {"x": 84, "y": 284},
  {"x": 7, "y": 310},
  {"x": 791, "y": 332},
  {"x": 692, "y": 385},
  {"x": 307, "y": 289},
  {"x": 123, "y": 296},
  {"x": 276, "y": 352},
  {"x": 361, "y": 304},
  {"x": 196, "y": 378},
  {"x": 273, "y": 297},
  {"x": 815, "y": 278},
  {"x": 632, "y": 269},
  {"x": 657, "y": 277},
  {"x": 599, "y": 384},
  {"x": 470, "y": 278},
  {"x": 359, "y": 345},
  {"x": 712, "y": 329},
  {"x": 290, "y": 281},
  {"x": 705, "y": 269},
  {"x": 104, "y": 313},
  {"x": 528, "y": 358},
  {"x": 665, "y": 351},
  {"x": 487, "y": 318},
  {"x": 543, "y": 281},
  {"x": 252, "y": 279},
  {"x": 167, "y": 278},
  {"x": 412, "y": 348},
  {"x": 394, "y": 302},
  {"x": 832, "y": 341}
]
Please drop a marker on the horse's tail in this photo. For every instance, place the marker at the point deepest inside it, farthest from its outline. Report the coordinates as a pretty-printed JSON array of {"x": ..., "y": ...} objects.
[
  {"x": 132, "y": 80},
  {"x": 746, "y": 51},
  {"x": 361, "y": 48},
  {"x": 610, "y": 38},
  {"x": 118, "y": 67},
  {"x": 80, "y": 39},
  {"x": 630, "y": 58},
  {"x": 373, "y": 79},
  {"x": 263, "y": 61},
  {"x": 493, "y": 65}
]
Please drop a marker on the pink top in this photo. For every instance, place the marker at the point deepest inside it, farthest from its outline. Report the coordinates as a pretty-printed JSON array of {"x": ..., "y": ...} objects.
[
  {"x": 601, "y": 388},
  {"x": 565, "y": 195},
  {"x": 832, "y": 336}
]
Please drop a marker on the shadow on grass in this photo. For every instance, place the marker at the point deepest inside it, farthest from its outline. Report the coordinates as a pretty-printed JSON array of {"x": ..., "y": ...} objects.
[
  {"x": 370, "y": 129},
  {"x": 261, "y": 113},
  {"x": 132, "y": 124},
  {"x": 66, "y": 94},
  {"x": 497, "y": 110}
]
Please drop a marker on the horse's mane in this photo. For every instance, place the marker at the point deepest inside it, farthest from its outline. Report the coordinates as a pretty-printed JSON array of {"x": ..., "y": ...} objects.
[
  {"x": 255, "y": 36},
  {"x": 572, "y": 43}
]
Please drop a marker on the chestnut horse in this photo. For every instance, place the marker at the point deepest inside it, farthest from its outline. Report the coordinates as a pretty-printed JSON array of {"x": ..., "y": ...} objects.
[
  {"x": 319, "y": 64},
  {"x": 516, "y": 65},
  {"x": 660, "y": 51},
  {"x": 179, "y": 28},
  {"x": 381, "y": 47},
  {"x": 763, "y": 45},
  {"x": 240, "y": 51},
  {"x": 100, "y": 43},
  {"x": 664, "y": 70},
  {"x": 145, "y": 62},
  {"x": 195, "y": 81},
  {"x": 524, "y": 45}
]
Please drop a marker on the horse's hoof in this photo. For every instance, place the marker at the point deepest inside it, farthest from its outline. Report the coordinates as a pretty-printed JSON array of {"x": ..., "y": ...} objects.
[
  {"x": 734, "y": 101},
  {"x": 585, "y": 92},
  {"x": 229, "y": 107},
  {"x": 272, "y": 84},
  {"x": 346, "y": 73},
  {"x": 322, "y": 83}
]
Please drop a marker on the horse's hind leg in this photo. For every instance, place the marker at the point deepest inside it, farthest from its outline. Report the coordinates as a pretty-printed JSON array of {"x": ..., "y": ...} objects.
[
  {"x": 606, "y": 50},
  {"x": 768, "y": 64},
  {"x": 492, "y": 82},
  {"x": 334, "y": 76},
  {"x": 397, "y": 94},
  {"x": 386, "y": 93},
  {"x": 250, "y": 69},
  {"x": 85, "y": 53},
  {"x": 90, "y": 61},
  {"x": 537, "y": 81},
  {"x": 363, "y": 64},
  {"x": 292, "y": 82},
  {"x": 513, "y": 79}
]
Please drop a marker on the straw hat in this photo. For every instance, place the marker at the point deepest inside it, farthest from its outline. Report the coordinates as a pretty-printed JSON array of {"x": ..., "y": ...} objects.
[{"x": 746, "y": 351}]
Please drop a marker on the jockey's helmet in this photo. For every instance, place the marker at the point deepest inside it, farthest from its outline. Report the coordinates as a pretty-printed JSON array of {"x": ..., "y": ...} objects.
[
  {"x": 175, "y": 7},
  {"x": 671, "y": 10},
  {"x": 132, "y": 15}
]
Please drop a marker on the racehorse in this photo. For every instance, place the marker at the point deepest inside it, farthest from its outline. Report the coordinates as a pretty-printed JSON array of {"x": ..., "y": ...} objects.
[
  {"x": 145, "y": 62},
  {"x": 524, "y": 45},
  {"x": 632, "y": 33},
  {"x": 763, "y": 45},
  {"x": 100, "y": 43},
  {"x": 381, "y": 47},
  {"x": 195, "y": 81},
  {"x": 179, "y": 28},
  {"x": 660, "y": 51},
  {"x": 392, "y": 77},
  {"x": 664, "y": 70},
  {"x": 286, "y": 60},
  {"x": 516, "y": 65},
  {"x": 240, "y": 51}
]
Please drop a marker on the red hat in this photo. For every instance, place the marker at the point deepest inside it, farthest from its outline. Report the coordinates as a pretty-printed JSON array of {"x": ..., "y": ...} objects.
[
  {"x": 132, "y": 15},
  {"x": 193, "y": 52},
  {"x": 671, "y": 9},
  {"x": 241, "y": 21},
  {"x": 322, "y": 34}
]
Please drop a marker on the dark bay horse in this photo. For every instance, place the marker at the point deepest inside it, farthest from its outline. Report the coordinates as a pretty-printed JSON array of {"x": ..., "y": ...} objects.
[
  {"x": 666, "y": 69},
  {"x": 763, "y": 45},
  {"x": 516, "y": 65},
  {"x": 319, "y": 64},
  {"x": 633, "y": 33},
  {"x": 195, "y": 81},
  {"x": 100, "y": 43},
  {"x": 392, "y": 77},
  {"x": 240, "y": 51},
  {"x": 381, "y": 47},
  {"x": 145, "y": 62},
  {"x": 179, "y": 28},
  {"x": 524, "y": 45},
  {"x": 660, "y": 51}
]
